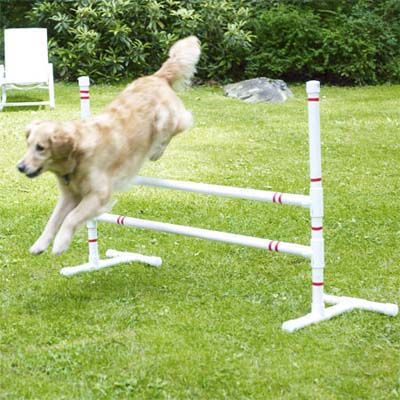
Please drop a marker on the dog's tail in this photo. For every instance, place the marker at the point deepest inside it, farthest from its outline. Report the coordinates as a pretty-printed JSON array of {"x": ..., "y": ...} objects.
[{"x": 180, "y": 67}]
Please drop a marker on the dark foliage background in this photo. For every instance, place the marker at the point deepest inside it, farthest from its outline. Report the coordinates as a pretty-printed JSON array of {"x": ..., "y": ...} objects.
[{"x": 337, "y": 41}]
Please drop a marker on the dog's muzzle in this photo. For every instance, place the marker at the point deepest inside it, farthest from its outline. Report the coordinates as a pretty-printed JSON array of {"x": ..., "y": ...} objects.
[
  {"x": 30, "y": 174},
  {"x": 21, "y": 167}
]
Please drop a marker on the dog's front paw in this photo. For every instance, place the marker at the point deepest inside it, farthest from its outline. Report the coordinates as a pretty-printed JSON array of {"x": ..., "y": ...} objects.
[
  {"x": 61, "y": 243},
  {"x": 156, "y": 155},
  {"x": 39, "y": 246}
]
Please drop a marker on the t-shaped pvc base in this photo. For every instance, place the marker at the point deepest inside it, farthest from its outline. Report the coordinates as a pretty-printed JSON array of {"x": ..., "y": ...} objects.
[
  {"x": 115, "y": 258},
  {"x": 341, "y": 305}
]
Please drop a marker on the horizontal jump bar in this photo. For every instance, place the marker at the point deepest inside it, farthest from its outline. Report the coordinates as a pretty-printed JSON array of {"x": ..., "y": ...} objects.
[
  {"x": 249, "y": 241},
  {"x": 227, "y": 191}
]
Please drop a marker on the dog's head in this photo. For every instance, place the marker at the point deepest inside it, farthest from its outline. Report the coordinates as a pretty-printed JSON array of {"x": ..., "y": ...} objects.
[{"x": 49, "y": 144}]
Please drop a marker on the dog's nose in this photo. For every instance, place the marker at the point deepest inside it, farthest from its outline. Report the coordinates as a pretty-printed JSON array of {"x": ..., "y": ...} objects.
[{"x": 21, "y": 167}]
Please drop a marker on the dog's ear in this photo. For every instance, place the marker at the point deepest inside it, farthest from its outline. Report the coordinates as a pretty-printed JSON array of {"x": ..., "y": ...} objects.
[
  {"x": 30, "y": 126},
  {"x": 63, "y": 141}
]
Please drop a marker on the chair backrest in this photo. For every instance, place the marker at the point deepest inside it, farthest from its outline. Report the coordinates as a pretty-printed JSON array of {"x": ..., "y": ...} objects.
[{"x": 25, "y": 55}]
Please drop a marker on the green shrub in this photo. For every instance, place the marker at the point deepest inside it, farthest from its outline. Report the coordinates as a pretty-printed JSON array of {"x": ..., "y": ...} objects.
[
  {"x": 288, "y": 44},
  {"x": 334, "y": 42},
  {"x": 361, "y": 49},
  {"x": 110, "y": 40},
  {"x": 337, "y": 41}
]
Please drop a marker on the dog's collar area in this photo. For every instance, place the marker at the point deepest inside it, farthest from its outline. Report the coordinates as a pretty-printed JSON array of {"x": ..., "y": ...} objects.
[{"x": 66, "y": 178}]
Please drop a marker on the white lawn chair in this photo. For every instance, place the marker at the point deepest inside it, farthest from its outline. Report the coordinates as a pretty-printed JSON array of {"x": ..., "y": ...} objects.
[{"x": 26, "y": 65}]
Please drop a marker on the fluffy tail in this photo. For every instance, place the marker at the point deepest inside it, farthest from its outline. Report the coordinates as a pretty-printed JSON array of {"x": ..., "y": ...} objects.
[{"x": 180, "y": 67}]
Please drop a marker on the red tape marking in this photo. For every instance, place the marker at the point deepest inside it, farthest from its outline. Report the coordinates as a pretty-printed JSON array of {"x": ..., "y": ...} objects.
[
  {"x": 318, "y": 283},
  {"x": 92, "y": 240},
  {"x": 313, "y": 99},
  {"x": 273, "y": 245},
  {"x": 277, "y": 198},
  {"x": 120, "y": 220},
  {"x": 316, "y": 179},
  {"x": 316, "y": 228},
  {"x": 85, "y": 98}
]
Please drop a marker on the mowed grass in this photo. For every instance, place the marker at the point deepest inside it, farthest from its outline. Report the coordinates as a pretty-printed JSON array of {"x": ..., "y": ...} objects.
[{"x": 207, "y": 325}]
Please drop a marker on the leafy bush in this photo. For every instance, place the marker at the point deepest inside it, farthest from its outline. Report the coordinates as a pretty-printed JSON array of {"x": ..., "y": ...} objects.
[
  {"x": 110, "y": 40},
  {"x": 334, "y": 40},
  {"x": 288, "y": 44}
]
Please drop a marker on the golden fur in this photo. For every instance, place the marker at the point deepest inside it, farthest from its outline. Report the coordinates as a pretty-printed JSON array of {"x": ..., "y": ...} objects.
[{"x": 94, "y": 157}]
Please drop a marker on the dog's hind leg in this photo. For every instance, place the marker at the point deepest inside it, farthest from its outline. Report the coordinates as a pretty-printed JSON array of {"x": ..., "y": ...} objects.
[
  {"x": 65, "y": 204},
  {"x": 90, "y": 206}
]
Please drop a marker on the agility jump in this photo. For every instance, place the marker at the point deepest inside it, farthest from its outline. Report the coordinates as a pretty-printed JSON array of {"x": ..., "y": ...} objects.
[{"x": 313, "y": 201}]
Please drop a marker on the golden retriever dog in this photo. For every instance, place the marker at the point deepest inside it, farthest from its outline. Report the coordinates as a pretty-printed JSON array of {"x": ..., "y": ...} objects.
[{"x": 94, "y": 157}]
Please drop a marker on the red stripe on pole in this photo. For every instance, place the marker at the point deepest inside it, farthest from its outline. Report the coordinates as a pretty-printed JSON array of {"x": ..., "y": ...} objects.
[
  {"x": 316, "y": 179},
  {"x": 84, "y": 91},
  {"x": 316, "y": 228},
  {"x": 270, "y": 245},
  {"x": 92, "y": 240},
  {"x": 280, "y": 198},
  {"x": 276, "y": 246},
  {"x": 118, "y": 220},
  {"x": 85, "y": 97},
  {"x": 122, "y": 220},
  {"x": 274, "y": 197},
  {"x": 318, "y": 283},
  {"x": 313, "y": 99}
]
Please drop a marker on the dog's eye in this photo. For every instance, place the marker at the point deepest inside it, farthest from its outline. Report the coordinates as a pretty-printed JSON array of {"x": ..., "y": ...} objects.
[{"x": 39, "y": 147}]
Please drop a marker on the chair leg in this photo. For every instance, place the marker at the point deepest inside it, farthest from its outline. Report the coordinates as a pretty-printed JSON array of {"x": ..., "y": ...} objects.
[
  {"x": 3, "y": 97},
  {"x": 51, "y": 87}
]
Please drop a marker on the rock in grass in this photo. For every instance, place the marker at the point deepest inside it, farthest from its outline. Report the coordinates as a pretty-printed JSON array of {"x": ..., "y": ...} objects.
[{"x": 259, "y": 90}]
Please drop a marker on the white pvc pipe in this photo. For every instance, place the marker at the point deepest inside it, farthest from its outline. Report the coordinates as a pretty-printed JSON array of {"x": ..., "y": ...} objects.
[
  {"x": 92, "y": 242},
  {"x": 249, "y": 241},
  {"x": 227, "y": 191},
  {"x": 84, "y": 84},
  {"x": 342, "y": 304},
  {"x": 313, "y": 318},
  {"x": 382, "y": 308},
  {"x": 316, "y": 196},
  {"x": 84, "y": 95},
  {"x": 117, "y": 257},
  {"x": 313, "y": 91}
]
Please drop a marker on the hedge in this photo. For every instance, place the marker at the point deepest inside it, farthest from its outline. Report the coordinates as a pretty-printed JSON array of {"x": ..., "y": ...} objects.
[{"x": 337, "y": 41}]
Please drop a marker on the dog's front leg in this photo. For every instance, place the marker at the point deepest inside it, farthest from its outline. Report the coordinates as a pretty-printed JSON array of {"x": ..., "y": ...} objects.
[
  {"x": 90, "y": 206},
  {"x": 65, "y": 204}
]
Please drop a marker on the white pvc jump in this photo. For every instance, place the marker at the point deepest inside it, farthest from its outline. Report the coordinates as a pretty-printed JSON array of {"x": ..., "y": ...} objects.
[
  {"x": 227, "y": 191},
  {"x": 313, "y": 201},
  {"x": 232, "y": 238}
]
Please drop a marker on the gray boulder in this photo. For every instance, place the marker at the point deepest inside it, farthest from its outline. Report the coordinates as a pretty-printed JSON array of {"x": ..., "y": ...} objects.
[{"x": 259, "y": 90}]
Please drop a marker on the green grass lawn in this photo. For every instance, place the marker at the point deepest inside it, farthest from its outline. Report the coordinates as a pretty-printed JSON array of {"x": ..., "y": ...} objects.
[{"x": 207, "y": 325}]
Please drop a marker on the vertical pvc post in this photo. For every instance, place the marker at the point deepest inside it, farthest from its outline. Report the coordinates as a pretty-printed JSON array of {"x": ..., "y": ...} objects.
[
  {"x": 92, "y": 242},
  {"x": 316, "y": 195},
  {"x": 84, "y": 91},
  {"x": 84, "y": 84}
]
